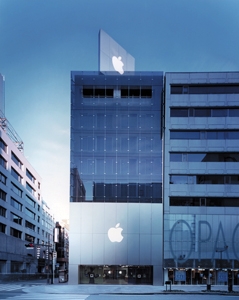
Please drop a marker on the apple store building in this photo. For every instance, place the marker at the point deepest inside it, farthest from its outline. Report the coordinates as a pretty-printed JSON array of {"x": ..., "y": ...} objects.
[{"x": 116, "y": 215}]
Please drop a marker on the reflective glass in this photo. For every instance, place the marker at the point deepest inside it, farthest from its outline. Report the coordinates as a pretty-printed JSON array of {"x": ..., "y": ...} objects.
[
  {"x": 202, "y": 112},
  {"x": 178, "y": 179},
  {"x": 179, "y": 112},
  {"x": 234, "y": 112},
  {"x": 175, "y": 156},
  {"x": 219, "y": 112},
  {"x": 116, "y": 149}
]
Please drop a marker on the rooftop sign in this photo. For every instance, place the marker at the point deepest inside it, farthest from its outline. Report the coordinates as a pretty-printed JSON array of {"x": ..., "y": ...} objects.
[{"x": 112, "y": 57}]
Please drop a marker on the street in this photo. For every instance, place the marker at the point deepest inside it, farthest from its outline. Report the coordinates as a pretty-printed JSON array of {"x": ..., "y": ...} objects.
[{"x": 19, "y": 295}]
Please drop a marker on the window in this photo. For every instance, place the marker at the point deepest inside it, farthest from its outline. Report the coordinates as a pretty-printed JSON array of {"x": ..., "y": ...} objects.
[
  {"x": 15, "y": 174},
  {"x": 199, "y": 201},
  {"x": 178, "y": 179},
  {"x": 3, "y": 178},
  {"x": 30, "y": 176},
  {"x": 16, "y": 160},
  {"x": 208, "y": 135},
  {"x": 30, "y": 189},
  {"x": 16, "y": 189},
  {"x": 16, "y": 204},
  {"x": 219, "y": 112},
  {"x": 3, "y": 211},
  {"x": 3, "y": 145},
  {"x": 204, "y": 157},
  {"x": 29, "y": 238},
  {"x": 202, "y": 112},
  {"x": 185, "y": 135},
  {"x": 16, "y": 219},
  {"x": 30, "y": 213},
  {"x": 136, "y": 91},
  {"x": 2, "y": 228},
  {"x": 205, "y": 89},
  {"x": 3, "y": 195},
  {"x": 97, "y": 92},
  {"x": 30, "y": 201},
  {"x": 204, "y": 179},
  {"x": 16, "y": 233},
  {"x": 176, "y": 157},
  {"x": 29, "y": 225},
  {"x": 234, "y": 112},
  {"x": 3, "y": 162},
  {"x": 179, "y": 112}
]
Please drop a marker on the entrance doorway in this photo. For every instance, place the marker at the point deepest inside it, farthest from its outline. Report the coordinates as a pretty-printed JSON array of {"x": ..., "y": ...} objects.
[{"x": 95, "y": 274}]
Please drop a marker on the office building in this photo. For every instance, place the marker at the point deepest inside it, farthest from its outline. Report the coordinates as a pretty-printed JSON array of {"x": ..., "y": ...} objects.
[
  {"x": 2, "y": 93},
  {"x": 201, "y": 178},
  {"x": 25, "y": 218}
]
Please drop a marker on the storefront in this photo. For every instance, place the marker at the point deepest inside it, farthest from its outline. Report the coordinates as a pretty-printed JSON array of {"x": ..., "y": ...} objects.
[
  {"x": 202, "y": 276},
  {"x": 115, "y": 274}
]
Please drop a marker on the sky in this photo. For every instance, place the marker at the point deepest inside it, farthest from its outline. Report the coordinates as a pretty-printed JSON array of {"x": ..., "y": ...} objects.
[{"x": 42, "y": 41}]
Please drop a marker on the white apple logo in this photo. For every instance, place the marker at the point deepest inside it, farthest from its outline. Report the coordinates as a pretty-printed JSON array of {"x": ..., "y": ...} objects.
[
  {"x": 118, "y": 64},
  {"x": 114, "y": 234}
]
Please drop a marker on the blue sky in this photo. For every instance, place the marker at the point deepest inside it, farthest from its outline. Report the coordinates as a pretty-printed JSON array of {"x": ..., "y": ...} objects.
[{"x": 41, "y": 41}]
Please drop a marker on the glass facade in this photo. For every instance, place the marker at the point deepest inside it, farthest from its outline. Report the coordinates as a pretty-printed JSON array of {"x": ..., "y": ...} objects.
[
  {"x": 116, "y": 145},
  {"x": 115, "y": 274}
]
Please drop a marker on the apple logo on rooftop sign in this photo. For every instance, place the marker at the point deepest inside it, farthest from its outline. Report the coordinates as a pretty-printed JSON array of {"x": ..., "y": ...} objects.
[
  {"x": 113, "y": 57},
  {"x": 118, "y": 64}
]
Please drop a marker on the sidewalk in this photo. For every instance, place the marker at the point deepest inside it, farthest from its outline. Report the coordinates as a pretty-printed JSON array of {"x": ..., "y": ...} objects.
[{"x": 61, "y": 288}]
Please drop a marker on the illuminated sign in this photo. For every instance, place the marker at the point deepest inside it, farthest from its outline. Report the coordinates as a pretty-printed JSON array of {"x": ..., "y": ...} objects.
[
  {"x": 114, "y": 234},
  {"x": 112, "y": 57}
]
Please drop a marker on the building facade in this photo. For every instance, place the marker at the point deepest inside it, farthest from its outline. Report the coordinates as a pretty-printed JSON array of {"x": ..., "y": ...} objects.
[
  {"x": 25, "y": 219},
  {"x": 201, "y": 178},
  {"x": 2, "y": 93},
  {"x": 116, "y": 178},
  {"x": 61, "y": 240}
]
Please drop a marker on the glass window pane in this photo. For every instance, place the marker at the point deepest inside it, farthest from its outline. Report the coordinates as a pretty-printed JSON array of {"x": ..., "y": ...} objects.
[
  {"x": 178, "y": 179},
  {"x": 178, "y": 112},
  {"x": 202, "y": 112},
  {"x": 234, "y": 112},
  {"x": 175, "y": 156},
  {"x": 222, "y": 112}
]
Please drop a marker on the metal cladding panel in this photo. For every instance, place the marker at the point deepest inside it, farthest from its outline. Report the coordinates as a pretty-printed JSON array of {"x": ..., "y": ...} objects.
[
  {"x": 133, "y": 218},
  {"x": 145, "y": 216},
  {"x": 109, "y": 251},
  {"x": 132, "y": 239},
  {"x": 157, "y": 249},
  {"x": 145, "y": 251},
  {"x": 98, "y": 212},
  {"x": 86, "y": 246},
  {"x": 98, "y": 254},
  {"x": 133, "y": 249},
  {"x": 86, "y": 219}
]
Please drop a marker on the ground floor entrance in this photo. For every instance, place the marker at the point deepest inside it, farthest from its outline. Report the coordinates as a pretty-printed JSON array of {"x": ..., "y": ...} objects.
[
  {"x": 103, "y": 274},
  {"x": 202, "y": 276}
]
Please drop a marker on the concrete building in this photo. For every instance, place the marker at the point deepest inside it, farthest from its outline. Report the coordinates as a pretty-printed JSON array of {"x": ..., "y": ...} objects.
[
  {"x": 24, "y": 217},
  {"x": 201, "y": 178},
  {"x": 61, "y": 240}
]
